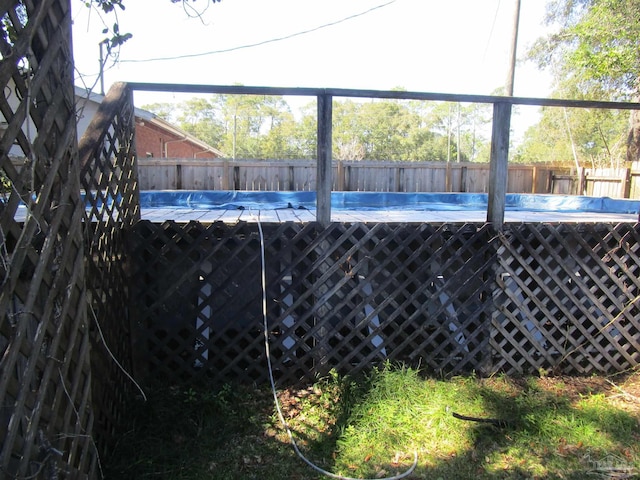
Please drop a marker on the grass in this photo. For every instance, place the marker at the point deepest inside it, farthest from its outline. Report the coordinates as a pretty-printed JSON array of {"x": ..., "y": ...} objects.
[{"x": 556, "y": 428}]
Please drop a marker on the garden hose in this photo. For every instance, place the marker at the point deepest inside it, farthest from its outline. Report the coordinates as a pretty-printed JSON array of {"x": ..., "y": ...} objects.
[{"x": 273, "y": 383}]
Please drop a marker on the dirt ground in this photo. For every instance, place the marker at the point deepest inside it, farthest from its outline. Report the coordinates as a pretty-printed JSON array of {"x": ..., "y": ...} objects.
[{"x": 622, "y": 390}]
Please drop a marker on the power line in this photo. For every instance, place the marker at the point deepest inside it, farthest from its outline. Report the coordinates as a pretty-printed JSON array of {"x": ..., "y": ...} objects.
[
  {"x": 493, "y": 24},
  {"x": 264, "y": 42}
]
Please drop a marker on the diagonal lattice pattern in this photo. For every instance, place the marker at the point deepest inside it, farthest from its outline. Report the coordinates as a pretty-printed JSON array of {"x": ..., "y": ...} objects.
[
  {"x": 46, "y": 416},
  {"x": 568, "y": 298},
  {"x": 451, "y": 298},
  {"x": 343, "y": 298},
  {"x": 109, "y": 182}
]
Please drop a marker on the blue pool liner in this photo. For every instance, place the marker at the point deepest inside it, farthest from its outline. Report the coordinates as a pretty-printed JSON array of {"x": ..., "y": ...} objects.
[{"x": 229, "y": 200}]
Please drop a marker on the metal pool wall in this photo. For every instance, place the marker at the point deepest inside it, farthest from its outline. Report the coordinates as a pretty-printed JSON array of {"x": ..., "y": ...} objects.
[{"x": 451, "y": 298}]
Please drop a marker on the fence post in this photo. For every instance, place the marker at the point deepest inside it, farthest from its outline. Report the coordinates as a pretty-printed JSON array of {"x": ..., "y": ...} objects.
[
  {"x": 534, "y": 179},
  {"x": 582, "y": 182},
  {"x": 625, "y": 183},
  {"x": 498, "y": 164},
  {"x": 399, "y": 179},
  {"x": 236, "y": 178},
  {"x": 291, "y": 181},
  {"x": 340, "y": 174},
  {"x": 225, "y": 174},
  {"x": 463, "y": 179},
  {"x": 323, "y": 185},
  {"x": 178, "y": 176}
]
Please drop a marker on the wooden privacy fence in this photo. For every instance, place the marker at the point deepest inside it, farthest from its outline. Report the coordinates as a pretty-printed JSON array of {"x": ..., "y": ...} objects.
[
  {"x": 450, "y": 298},
  {"x": 610, "y": 182},
  {"x": 381, "y": 176},
  {"x": 370, "y": 176},
  {"x": 600, "y": 182}
]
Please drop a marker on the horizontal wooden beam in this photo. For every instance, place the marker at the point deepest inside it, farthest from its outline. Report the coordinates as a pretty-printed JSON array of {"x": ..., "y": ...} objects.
[{"x": 386, "y": 94}]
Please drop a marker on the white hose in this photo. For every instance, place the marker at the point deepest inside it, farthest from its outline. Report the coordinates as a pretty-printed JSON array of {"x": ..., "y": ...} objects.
[{"x": 273, "y": 383}]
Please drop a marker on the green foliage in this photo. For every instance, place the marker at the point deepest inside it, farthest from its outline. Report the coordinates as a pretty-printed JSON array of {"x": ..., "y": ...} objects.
[
  {"x": 265, "y": 127},
  {"x": 5, "y": 182},
  {"x": 598, "y": 46},
  {"x": 114, "y": 38},
  {"x": 594, "y": 46},
  {"x": 596, "y": 137},
  {"x": 593, "y": 54}
]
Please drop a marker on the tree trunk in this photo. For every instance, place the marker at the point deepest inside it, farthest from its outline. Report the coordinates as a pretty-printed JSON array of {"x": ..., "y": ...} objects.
[{"x": 633, "y": 140}]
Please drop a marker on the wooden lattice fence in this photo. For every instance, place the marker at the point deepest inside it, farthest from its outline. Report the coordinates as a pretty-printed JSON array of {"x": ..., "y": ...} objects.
[
  {"x": 451, "y": 298},
  {"x": 109, "y": 182},
  {"x": 46, "y": 416},
  {"x": 568, "y": 298},
  {"x": 61, "y": 392}
]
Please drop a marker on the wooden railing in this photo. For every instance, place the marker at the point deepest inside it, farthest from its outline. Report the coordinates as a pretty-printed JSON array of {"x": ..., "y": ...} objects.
[{"x": 501, "y": 126}]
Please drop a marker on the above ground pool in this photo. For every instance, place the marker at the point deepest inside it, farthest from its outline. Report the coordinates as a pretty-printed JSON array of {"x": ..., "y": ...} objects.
[{"x": 362, "y": 201}]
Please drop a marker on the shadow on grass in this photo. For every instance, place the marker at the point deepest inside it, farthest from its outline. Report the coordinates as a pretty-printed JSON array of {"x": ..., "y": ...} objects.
[
  {"x": 568, "y": 432},
  {"x": 233, "y": 433}
]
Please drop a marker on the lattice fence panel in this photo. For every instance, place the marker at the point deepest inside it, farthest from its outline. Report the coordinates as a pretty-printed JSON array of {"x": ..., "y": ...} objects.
[
  {"x": 46, "y": 416},
  {"x": 109, "y": 181},
  {"x": 569, "y": 298},
  {"x": 198, "y": 300},
  {"x": 345, "y": 297},
  {"x": 451, "y": 298},
  {"x": 397, "y": 292}
]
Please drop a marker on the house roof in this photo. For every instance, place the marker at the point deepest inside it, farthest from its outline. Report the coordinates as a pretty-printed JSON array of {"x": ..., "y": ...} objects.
[{"x": 152, "y": 118}]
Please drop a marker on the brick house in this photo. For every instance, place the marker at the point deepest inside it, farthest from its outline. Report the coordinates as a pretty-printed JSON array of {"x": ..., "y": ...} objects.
[{"x": 155, "y": 137}]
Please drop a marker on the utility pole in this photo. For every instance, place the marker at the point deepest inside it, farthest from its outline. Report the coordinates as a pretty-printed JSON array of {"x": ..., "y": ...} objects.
[
  {"x": 499, "y": 160},
  {"x": 514, "y": 48}
]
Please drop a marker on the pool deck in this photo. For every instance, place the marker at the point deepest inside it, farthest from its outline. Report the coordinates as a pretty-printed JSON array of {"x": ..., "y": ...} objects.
[
  {"x": 378, "y": 207},
  {"x": 232, "y": 207},
  {"x": 282, "y": 215}
]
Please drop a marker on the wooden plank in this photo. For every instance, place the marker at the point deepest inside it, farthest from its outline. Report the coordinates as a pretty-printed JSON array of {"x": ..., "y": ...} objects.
[
  {"x": 270, "y": 216},
  {"x": 287, "y": 215},
  {"x": 498, "y": 164},
  {"x": 389, "y": 94},
  {"x": 211, "y": 216},
  {"x": 230, "y": 216},
  {"x": 162, "y": 214},
  {"x": 324, "y": 170},
  {"x": 95, "y": 133},
  {"x": 306, "y": 215},
  {"x": 374, "y": 216}
]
